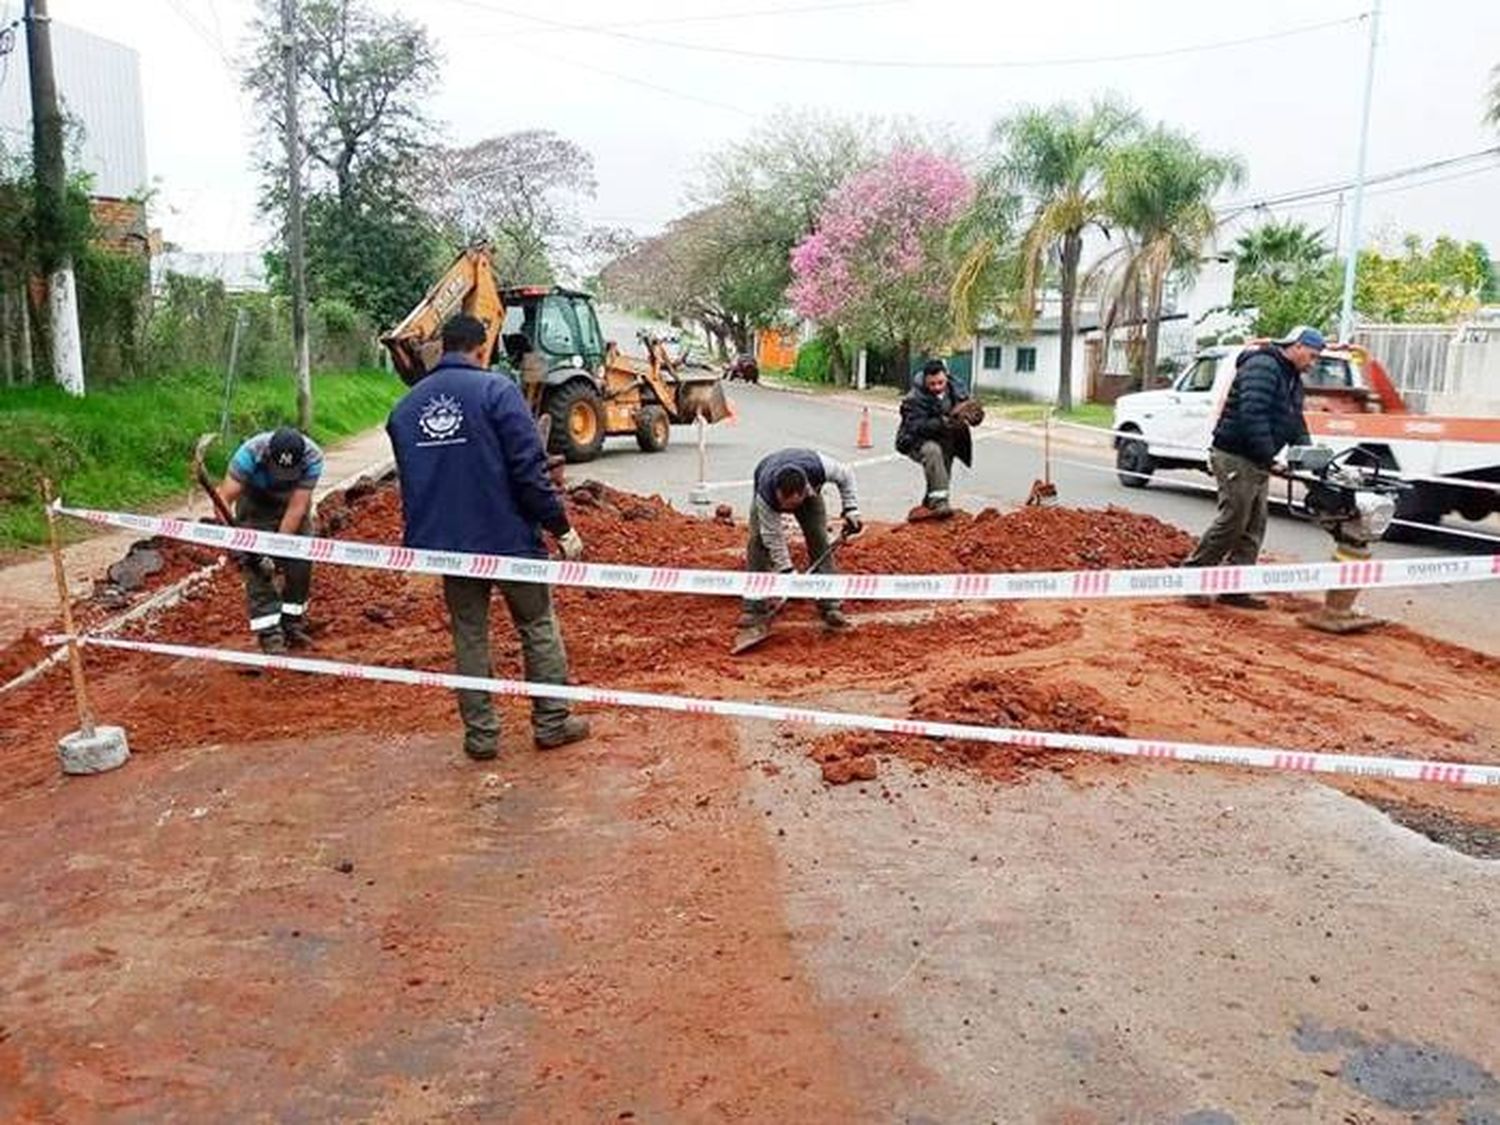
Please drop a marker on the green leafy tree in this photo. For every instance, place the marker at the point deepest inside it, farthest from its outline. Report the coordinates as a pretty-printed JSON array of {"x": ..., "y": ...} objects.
[
  {"x": 1441, "y": 283},
  {"x": 1286, "y": 272},
  {"x": 1492, "y": 99},
  {"x": 1159, "y": 189},
  {"x": 1056, "y": 159},
  {"x": 362, "y": 79}
]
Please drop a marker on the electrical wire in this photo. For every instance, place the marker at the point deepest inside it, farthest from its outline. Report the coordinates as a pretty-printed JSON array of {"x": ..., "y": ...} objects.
[
  {"x": 912, "y": 64},
  {"x": 1233, "y": 208},
  {"x": 708, "y": 17}
]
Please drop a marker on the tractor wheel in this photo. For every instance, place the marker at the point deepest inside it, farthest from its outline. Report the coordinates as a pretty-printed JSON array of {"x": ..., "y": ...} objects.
[
  {"x": 577, "y": 421},
  {"x": 1134, "y": 463},
  {"x": 653, "y": 429}
]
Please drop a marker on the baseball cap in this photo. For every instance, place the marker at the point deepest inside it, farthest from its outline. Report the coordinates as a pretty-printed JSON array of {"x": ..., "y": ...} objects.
[
  {"x": 1306, "y": 336},
  {"x": 284, "y": 454}
]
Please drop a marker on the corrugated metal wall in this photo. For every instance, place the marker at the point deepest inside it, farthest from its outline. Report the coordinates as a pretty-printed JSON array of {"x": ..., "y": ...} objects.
[{"x": 100, "y": 84}]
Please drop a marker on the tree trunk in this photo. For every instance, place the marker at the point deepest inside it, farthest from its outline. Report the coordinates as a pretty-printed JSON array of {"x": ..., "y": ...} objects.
[
  {"x": 6, "y": 341},
  {"x": 1072, "y": 251},
  {"x": 1153, "y": 327},
  {"x": 903, "y": 363},
  {"x": 27, "y": 356}
]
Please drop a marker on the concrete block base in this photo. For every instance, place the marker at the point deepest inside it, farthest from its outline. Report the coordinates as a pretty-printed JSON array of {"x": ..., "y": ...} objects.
[{"x": 100, "y": 752}]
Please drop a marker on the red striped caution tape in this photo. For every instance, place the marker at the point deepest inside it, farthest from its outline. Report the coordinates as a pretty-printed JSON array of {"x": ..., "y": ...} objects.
[
  {"x": 1449, "y": 773},
  {"x": 1084, "y": 584}
]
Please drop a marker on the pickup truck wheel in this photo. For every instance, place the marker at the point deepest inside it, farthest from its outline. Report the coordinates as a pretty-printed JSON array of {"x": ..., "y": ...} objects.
[
  {"x": 577, "y": 421},
  {"x": 1134, "y": 463},
  {"x": 653, "y": 429}
]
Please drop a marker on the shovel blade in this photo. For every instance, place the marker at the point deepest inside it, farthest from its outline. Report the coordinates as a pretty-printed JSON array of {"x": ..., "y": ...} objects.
[{"x": 748, "y": 637}]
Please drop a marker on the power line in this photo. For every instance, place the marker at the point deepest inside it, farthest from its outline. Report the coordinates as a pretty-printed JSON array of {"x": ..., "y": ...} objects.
[
  {"x": 910, "y": 64},
  {"x": 1230, "y": 210},
  {"x": 709, "y": 17}
]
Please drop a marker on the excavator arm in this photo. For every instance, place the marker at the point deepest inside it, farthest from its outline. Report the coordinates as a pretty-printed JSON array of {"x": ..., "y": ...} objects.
[{"x": 468, "y": 286}]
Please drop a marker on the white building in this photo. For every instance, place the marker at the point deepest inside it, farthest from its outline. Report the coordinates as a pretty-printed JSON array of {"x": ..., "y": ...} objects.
[
  {"x": 99, "y": 84},
  {"x": 1029, "y": 366}
]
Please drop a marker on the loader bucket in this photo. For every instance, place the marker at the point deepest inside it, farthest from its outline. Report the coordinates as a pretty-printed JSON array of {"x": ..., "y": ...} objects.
[{"x": 702, "y": 399}]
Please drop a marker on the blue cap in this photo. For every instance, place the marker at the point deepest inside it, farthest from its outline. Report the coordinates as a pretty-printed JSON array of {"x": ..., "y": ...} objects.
[{"x": 1306, "y": 336}]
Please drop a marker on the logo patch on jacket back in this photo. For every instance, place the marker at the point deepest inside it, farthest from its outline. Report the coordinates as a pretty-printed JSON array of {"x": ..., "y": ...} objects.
[{"x": 441, "y": 421}]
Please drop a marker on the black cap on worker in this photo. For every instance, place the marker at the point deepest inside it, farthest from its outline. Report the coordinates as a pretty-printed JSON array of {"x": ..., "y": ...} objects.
[
  {"x": 284, "y": 454},
  {"x": 933, "y": 366}
]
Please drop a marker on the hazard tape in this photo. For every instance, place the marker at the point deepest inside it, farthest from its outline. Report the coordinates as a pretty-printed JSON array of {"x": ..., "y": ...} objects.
[
  {"x": 1449, "y": 773},
  {"x": 1024, "y": 585}
]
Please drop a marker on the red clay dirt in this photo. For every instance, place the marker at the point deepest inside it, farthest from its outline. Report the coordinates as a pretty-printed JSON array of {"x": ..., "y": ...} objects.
[{"x": 643, "y": 919}]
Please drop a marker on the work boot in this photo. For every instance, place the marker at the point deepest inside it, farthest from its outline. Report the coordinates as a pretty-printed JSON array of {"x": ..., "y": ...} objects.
[
  {"x": 575, "y": 728},
  {"x": 1244, "y": 601},
  {"x": 272, "y": 642},
  {"x": 939, "y": 510},
  {"x": 834, "y": 619},
  {"x": 750, "y": 619},
  {"x": 294, "y": 629},
  {"x": 1199, "y": 601},
  {"x": 485, "y": 751}
]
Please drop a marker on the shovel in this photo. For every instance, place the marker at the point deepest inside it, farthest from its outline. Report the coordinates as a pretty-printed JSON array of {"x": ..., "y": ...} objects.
[{"x": 750, "y": 636}]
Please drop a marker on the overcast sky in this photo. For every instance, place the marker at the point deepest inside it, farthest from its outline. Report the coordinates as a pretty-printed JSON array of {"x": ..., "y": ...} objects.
[{"x": 648, "y": 111}]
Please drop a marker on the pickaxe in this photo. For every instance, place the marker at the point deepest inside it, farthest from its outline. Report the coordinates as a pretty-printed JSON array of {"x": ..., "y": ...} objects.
[{"x": 266, "y": 567}]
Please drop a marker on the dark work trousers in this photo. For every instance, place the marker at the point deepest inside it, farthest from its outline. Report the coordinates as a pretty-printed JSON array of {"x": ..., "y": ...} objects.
[
  {"x": 542, "y": 654},
  {"x": 1239, "y": 528},
  {"x": 937, "y": 467},
  {"x": 812, "y": 518},
  {"x": 270, "y": 607}
]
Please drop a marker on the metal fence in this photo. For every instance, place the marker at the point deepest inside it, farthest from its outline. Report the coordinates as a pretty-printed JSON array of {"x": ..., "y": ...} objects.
[{"x": 1440, "y": 368}]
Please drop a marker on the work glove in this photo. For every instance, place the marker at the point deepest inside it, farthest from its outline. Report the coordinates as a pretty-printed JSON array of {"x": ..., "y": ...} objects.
[
  {"x": 853, "y": 525},
  {"x": 572, "y": 545}
]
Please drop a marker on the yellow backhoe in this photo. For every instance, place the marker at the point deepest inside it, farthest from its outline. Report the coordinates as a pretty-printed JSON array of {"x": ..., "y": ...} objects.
[{"x": 547, "y": 338}]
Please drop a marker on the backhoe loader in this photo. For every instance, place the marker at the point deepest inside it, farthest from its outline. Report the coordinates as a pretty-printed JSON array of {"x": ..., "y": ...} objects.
[{"x": 547, "y": 338}]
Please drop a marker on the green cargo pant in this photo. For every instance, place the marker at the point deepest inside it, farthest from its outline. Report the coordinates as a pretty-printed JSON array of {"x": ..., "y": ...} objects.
[
  {"x": 1239, "y": 528},
  {"x": 268, "y": 606},
  {"x": 812, "y": 518},
  {"x": 542, "y": 654},
  {"x": 937, "y": 468}
]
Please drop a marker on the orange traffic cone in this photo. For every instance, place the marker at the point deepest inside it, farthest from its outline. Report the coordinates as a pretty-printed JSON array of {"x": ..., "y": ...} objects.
[{"x": 862, "y": 439}]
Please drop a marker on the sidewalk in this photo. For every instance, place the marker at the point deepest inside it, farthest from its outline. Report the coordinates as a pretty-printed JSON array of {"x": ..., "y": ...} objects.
[{"x": 31, "y": 591}]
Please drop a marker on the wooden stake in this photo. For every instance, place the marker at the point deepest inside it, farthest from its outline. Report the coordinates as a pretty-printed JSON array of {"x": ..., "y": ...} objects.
[{"x": 75, "y": 659}]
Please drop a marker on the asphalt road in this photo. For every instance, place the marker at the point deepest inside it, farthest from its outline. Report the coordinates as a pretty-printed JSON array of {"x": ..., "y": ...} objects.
[{"x": 1007, "y": 459}]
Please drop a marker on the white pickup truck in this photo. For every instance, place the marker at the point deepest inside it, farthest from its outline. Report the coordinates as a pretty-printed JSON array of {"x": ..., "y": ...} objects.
[{"x": 1350, "y": 403}]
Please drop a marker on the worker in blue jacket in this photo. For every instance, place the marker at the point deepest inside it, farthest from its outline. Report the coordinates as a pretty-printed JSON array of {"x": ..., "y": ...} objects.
[{"x": 474, "y": 478}]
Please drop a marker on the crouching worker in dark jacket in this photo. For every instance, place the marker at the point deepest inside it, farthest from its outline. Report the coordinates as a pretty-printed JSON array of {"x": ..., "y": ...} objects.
[
  {"x": 1262, "y": 415},
  {"x": 934, "y": 430},
  {"x": 792, "y": 480},
  {"x": 474, "y": 478}
]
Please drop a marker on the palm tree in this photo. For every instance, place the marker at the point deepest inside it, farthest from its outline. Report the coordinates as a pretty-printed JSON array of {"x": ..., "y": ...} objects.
[
  {"x": 1492, "y": 99},
  {"x": 1279, "y": 252},
  {"x": 1159, "y": 188},
  {"x": 1055, "y": 158}
]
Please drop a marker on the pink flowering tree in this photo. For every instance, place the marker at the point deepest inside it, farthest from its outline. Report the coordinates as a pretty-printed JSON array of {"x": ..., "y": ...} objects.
[{"x": 877, "y": 267}]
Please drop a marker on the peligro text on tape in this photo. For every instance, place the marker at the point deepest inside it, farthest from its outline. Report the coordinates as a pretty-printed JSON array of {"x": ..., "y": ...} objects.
[
  {"x": 1451, "y": 773},
  {"x": 1080, "y": 584}
]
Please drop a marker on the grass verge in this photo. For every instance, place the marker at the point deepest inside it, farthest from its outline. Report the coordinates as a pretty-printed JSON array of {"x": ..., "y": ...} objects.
[
  {"x": 1086, "y": 413},
  {"x": 129, "y": 445}
]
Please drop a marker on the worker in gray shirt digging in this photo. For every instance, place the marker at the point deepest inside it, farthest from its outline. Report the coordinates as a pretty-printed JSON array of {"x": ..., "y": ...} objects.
[
  {"x": 791, "y": 481},
  {"x": 269, "y": 486}
]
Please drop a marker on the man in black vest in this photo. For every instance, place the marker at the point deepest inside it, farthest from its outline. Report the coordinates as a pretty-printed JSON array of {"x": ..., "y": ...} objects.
[{"x": 1262, "y": 415}]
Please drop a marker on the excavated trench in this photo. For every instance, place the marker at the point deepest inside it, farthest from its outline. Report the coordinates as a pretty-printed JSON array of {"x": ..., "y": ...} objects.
[{"x": 1140, "y": 669}]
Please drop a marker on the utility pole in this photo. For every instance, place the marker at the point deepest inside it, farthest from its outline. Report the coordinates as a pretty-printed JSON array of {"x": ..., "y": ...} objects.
[
  {"x": 1351, "y": 263},
  {"x": 51, "y": 190},
  {"x": 294, "y": 213}
]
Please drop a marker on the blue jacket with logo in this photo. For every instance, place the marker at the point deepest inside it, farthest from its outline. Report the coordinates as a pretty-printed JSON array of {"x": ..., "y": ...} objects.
[{"x": 473, "y": 471}]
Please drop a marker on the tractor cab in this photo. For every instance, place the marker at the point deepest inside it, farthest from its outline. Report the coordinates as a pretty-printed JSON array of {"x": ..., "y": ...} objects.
[{"x": 557, "y": 324}]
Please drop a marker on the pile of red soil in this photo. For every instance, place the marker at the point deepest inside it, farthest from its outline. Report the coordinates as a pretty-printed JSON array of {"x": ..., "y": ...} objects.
[
  {"x": 1025, "y": 539},
  {"x": 1005, "y": 699}
]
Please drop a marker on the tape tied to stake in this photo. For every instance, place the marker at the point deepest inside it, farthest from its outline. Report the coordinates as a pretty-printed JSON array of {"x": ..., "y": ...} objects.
[
  {"x": 1288, "y": 578},
  {"x": 1254, "y": 757}
]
